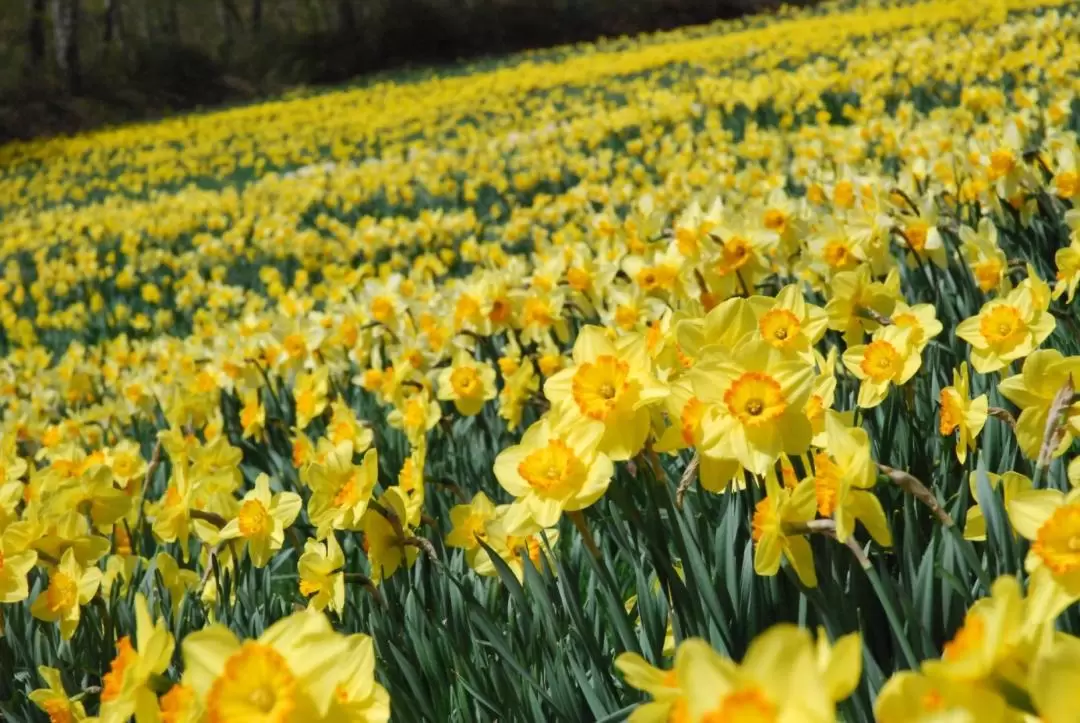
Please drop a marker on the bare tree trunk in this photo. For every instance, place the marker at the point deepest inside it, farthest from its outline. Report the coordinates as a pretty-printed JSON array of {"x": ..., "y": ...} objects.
[
  {"x": 172, "y": 21},
  {"x": 114, "y": 22},
  {"x": 229, "y": 17},
  {"x": 256, "y": 16},
  {"x": 66, "y": 39},
  {"x": 35, "y": 34},
  {"x": 346, "y": 17}
]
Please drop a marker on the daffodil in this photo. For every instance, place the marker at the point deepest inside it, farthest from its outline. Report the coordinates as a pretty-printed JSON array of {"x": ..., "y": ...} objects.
[
  {"x": 291, "y": 672},
  {"x": 556, "y": 468},
  {"x": 1011, "y": 484},
  {"x": 839, "y": 663},
  {"x": 70, "y": 587},
  {"x": 608, "y": 389},
  {"x": 857, "y": 300},
  {"x": 467, "y": 383},
  {"x": 1067, "y": 260},
  {"x": 309, "y": 394},
  {"x": 358, "y": 698},
  {"x": 986, "y": 640},
  {"x": 843, "y": 480},
  {"x": 1005, "y": 329},
  {"x": 322, "y": 578},
  {"x": 668, "y": 701},
  {"x": 777, "y": 680},
  {"x": 345, "y": 427},
  {"x": 773, "y": 540},
  {"x": 470, "y": 523},
  {"x": 519, "y": 386},
  {"x": 252, "y": 416},
  {"x": 1034, "y": 390},
  {"x": 910, "y": 697},
  {"x": 1050, "y": 519},
  {"x": 386, "y": 542},
  {"x": 962, "y": 414},
  {"x": 528, "y": 542},
  {"x": 921, "y": 319},
  {"x": 262, "y": 520},
  {"x": 788, "y": 323},
  {"x": 890, "y": 358},
  {"x": 15, "y": 564},
  {"x": 760, "y": 398},
  {"x": 1055, "y": 680},
  {"x": 54, "y": 700},
  {"x": 126, "y": 689},
  {"x": 983, "y": 255},
  {"x": 341, "y": 490},
  {"x": 416, "y": 414}
]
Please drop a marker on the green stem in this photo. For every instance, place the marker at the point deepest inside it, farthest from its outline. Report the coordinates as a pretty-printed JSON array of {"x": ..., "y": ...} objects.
[
  {"x": 887, "y": 603},
  {"x": 968, "y": 551}
]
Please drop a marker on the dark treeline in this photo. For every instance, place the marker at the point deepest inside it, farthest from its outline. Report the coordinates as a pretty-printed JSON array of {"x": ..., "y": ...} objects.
[{"x": 71, "y": 64}]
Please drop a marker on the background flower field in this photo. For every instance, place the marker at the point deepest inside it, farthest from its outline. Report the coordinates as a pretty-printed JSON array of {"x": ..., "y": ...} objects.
[{"x": 719, "y": 374}]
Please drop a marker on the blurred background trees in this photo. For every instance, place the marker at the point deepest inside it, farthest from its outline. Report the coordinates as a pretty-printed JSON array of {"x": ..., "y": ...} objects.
[{"x": 68, "y": 64}]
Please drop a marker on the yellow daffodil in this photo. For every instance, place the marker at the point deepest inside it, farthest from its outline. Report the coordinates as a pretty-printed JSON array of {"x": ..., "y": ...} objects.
[
  {"x": 910, "y": 697},
  {"x": 777, "y": 680},
  {"x": 262, "y": 519},
  {"x": 961, "y": 413},
  {"x": 1005, "y": 330},
  {"x": 341, "y": 490},
  {"x": 514, "y": 548},
  {"x": 759, "y": 397},
  {"x": 609, "y": 389},
  {"x": 983, "y": 255},
  {"x": 54, "y": 700},
  {"x": 557, "y": 468},
  {"x": 415, "y": 415},
  {"x": 126, "y": 690},
  {"x": 1050, "y": 519},
  {"x": 519, "y": 386},
  {"x": 890, "y": 358},
  {"x": 15, "y": 564},
  {"x": 467, "y": 383},
  {"x": 321, "y": 574},
  {"x": 345, "y": 427},
  {"x": 310, "y": 393},
  {"x": 843, "y": 480},
  {"x": 1011, "y": 484},
  {"x": 787, "y": 322},
  {"x": 470, "y": 523},
  {"x": 772, "y": 541},
  {"x": 668, "y": 700},
  {"x": 1055, "y": 680},
  {"x": 70, "y": 587},
  {"x": 1044, "y": 374},
  {"x": 386, "y": 542},
  {"x": 290, "y": 672},
  {"x": 358, "y": 698}
]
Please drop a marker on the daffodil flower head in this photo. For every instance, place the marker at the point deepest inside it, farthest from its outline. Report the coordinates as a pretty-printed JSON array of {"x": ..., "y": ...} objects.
[
  {"x": 262, "y": 519},
  {"x": 1005, "y": 330},
  {"x": 759, "y": 397},
  {"x": 890, "y": 358},
  {"x": 71, "y": 586},
  {"x": 1034, "y": 390},
  {"x": 556, "y": 468},
  {"x": 608, "y": 388},
  {"x": 961, "y": 413}
]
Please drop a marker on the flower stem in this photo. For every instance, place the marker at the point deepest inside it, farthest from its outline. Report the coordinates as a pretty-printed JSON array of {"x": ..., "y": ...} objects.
[{"x": 886, "y": 602}]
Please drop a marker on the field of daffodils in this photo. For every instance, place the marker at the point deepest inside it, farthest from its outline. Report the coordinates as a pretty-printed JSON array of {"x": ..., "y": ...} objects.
[{"x": 727, "y": 374}]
